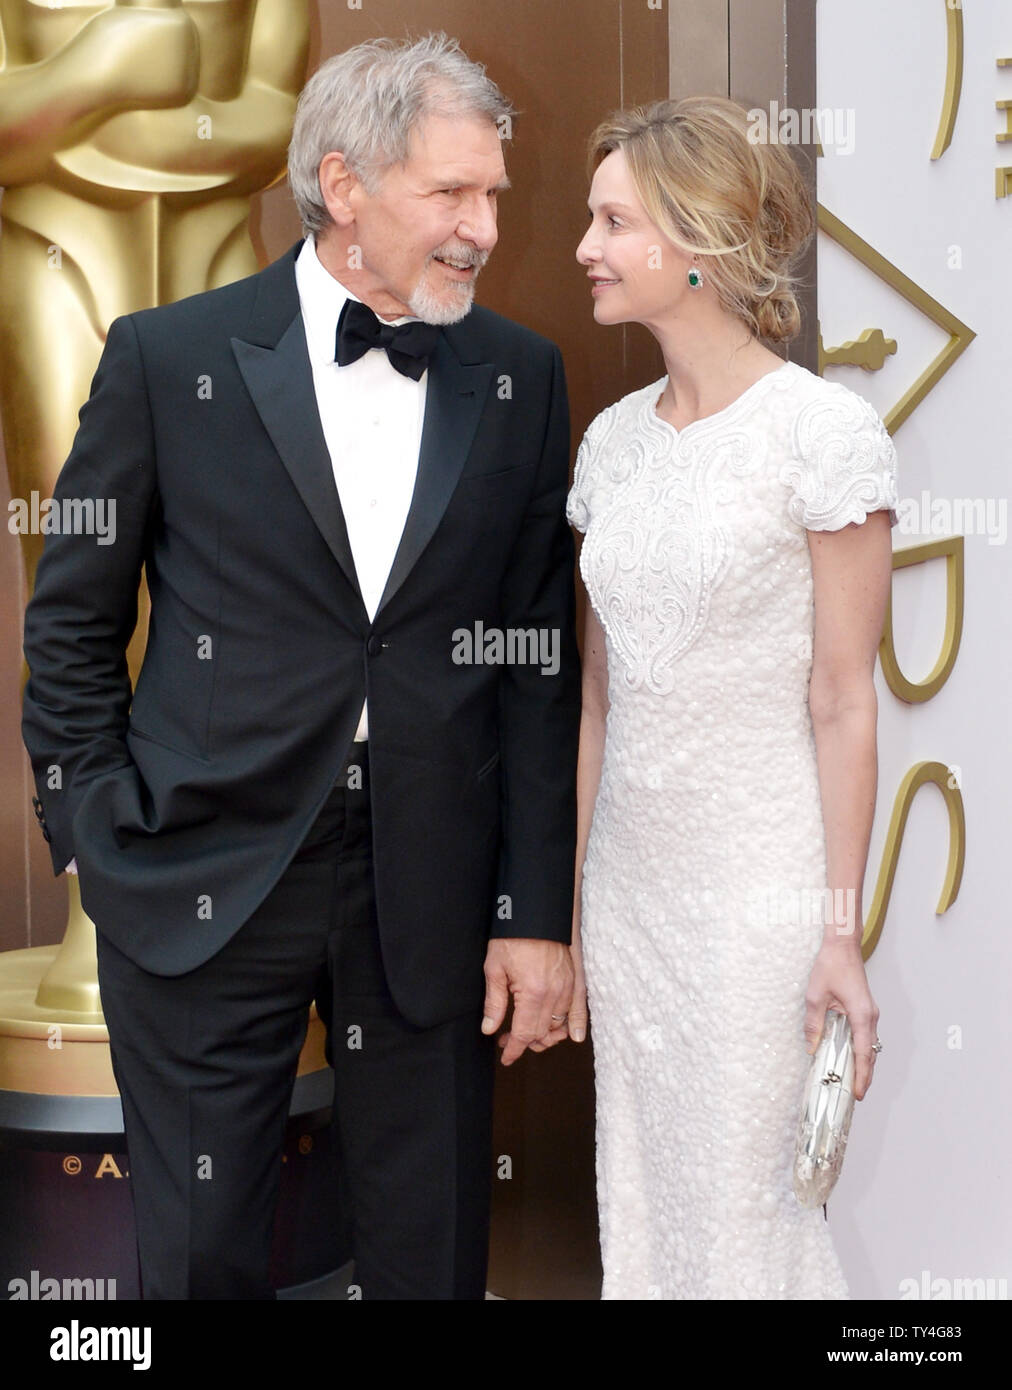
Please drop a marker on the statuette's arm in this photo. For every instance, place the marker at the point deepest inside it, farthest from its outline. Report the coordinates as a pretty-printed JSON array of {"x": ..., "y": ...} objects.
[{"x": 120, "y": 60}]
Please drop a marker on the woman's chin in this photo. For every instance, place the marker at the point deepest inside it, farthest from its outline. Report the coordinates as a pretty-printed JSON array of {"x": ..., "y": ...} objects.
[{"x": 606, "y": 314}]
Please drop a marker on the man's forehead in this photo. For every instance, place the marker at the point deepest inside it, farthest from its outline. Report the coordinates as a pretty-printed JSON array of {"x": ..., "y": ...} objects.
[
  {"x": 466, "y": 173},
  {"x": 455, "y": 137},
  {"x": 463, "y": 171}
]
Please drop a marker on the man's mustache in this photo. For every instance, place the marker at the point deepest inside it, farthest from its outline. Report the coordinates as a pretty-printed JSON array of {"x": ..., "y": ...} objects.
[{"x": 465, "y": 255}]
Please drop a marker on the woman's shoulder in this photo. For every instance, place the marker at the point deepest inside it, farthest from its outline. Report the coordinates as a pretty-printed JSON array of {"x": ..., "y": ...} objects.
[
  {"x": 829, "y": 404},
  {"x": 842, "y": 462},
  {"x": 623, "y": 412},
  {"x": 607, "y": 435}
]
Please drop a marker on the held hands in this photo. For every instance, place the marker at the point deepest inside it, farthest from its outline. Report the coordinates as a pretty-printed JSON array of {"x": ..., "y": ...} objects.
[
  {"x": 539, "y": 975},
  {"x": 578, "y": 1008},
  {"x": 838, "y": 982}
]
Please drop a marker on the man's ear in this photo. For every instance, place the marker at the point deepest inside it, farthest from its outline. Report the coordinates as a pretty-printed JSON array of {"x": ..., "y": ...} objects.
[{"x": 337, "y": 183}]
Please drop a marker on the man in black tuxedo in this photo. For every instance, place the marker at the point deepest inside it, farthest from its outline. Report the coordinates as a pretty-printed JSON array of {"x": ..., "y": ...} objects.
[{"x": 348, "y": 767}]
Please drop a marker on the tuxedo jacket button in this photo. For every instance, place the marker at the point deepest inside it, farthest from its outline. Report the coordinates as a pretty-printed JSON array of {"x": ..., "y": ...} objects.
[{"x": 374, "y": 646}]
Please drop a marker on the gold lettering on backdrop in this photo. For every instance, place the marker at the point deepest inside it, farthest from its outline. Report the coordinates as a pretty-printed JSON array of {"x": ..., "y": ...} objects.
[
  {"x": 869, "y": 350},
  {"x": 960, "y": 336},
  {"x": 917, "y": 776},
  {"x": 951, "y": 547},
  {"x": 916, "y": 692},
  {"x": 1003, "y": 174},
  {"x": 953, "y": 78}
]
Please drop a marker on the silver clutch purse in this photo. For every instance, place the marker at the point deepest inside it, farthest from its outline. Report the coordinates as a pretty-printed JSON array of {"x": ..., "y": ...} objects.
[{"x": 826, "y": 1111}]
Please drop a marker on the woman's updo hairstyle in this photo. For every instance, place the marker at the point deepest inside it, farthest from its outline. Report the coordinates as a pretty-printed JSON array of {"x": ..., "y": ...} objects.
[{"x": 742, "y": 207}]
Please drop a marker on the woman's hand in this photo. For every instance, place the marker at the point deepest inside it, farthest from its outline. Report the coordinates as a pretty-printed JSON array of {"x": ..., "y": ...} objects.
[
  {"x": 577, "y": 1023},
  {"x": 838, "y": 982}
]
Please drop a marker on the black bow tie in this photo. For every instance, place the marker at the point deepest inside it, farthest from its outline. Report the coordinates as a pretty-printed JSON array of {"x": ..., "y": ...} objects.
[{"x": 408, "y": 345}]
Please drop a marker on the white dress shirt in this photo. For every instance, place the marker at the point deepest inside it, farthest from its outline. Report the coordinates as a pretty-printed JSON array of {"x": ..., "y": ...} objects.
[{"x": 372, "y": 421}]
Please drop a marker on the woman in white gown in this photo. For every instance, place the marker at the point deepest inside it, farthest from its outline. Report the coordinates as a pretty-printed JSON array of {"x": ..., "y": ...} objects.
[{"x": 737, "y": 545}]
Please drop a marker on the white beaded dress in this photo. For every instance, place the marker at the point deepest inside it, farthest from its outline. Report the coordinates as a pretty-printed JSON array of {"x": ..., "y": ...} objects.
[{"x": 707, "y": 842}]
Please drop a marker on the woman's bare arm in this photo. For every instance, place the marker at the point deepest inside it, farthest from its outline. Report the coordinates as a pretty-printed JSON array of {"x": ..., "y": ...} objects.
[
  {"x": 588, "y": 776},
  {"x": 851, "y": 575}
]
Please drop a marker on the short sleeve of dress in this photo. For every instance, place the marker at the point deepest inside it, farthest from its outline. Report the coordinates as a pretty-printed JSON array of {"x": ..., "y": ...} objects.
[
  {"x": 844, "y": 463},
  {"x": 578, "y": 502}
]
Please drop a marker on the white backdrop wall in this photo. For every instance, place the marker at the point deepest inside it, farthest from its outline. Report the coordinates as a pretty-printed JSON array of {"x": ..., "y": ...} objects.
[{"x": 924, "y": 1200}]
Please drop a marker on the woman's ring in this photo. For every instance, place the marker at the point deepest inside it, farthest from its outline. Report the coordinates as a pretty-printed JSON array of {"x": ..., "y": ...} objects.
[{"x": 876, "y": 1046}]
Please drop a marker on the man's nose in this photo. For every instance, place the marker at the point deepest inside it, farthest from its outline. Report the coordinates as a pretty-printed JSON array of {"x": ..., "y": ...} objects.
[{"x": 479, "y": 224}]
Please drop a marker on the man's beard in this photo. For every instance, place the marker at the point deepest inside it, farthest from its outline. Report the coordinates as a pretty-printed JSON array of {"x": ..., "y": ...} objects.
[{"x": 453, "y": 302}]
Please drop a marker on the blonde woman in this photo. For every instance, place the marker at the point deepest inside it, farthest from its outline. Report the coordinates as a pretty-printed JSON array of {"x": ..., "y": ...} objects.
[{"x": 737, "y": 519}]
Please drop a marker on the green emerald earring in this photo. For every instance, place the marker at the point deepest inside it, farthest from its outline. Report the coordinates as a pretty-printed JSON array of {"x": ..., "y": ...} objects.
[{"x": 695, "y": 278}]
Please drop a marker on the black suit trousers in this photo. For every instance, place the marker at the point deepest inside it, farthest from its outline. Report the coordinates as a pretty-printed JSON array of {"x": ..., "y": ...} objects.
[{"x": 205, "y": 1063}]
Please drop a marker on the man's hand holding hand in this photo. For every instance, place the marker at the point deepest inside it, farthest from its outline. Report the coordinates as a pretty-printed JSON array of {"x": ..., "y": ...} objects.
[{"x": 539, "y": 975}]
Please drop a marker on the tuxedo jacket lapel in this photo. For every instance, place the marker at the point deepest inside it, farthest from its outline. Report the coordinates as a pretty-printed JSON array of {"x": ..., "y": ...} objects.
[
  {"x": 454, "y": 398},
  {"x": 274, "y": 362}
]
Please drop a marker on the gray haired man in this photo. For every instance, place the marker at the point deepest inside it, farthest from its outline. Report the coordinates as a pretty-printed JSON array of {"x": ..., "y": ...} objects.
[{"x": 307, "y": 795}]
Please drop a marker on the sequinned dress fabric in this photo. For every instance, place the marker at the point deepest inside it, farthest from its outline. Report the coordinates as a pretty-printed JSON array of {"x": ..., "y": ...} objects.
[{"x": 707, "y": 846}]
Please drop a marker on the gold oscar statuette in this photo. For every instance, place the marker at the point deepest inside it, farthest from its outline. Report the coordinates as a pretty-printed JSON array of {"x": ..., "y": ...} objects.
[{"x": 132, "y": 137}]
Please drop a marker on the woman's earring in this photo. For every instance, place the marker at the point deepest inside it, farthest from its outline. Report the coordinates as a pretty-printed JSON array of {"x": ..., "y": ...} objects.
[{"x": 695, "y": 278}]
